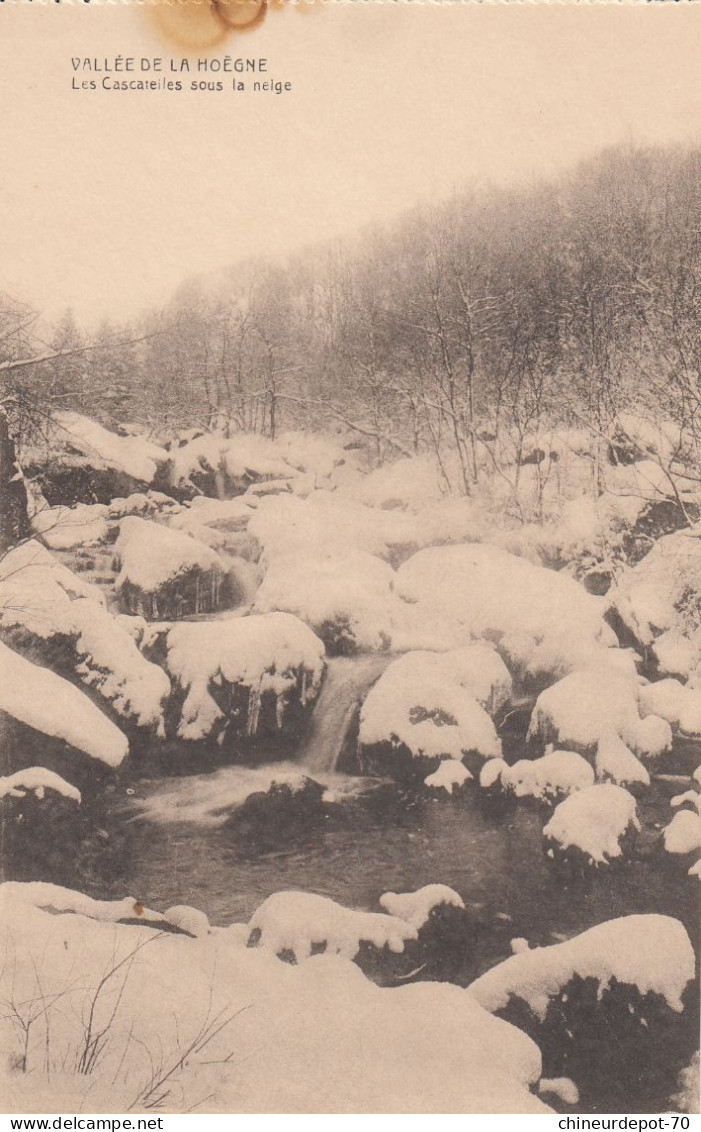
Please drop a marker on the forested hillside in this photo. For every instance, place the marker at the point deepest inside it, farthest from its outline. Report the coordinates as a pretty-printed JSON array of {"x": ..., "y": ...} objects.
[{"x": 471, "y": 327}]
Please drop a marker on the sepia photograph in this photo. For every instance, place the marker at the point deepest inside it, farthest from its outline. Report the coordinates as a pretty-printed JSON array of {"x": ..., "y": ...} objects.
[{"x": 350, "y": 559}]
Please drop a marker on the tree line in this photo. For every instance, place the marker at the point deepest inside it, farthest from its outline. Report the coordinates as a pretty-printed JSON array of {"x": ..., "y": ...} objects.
[{"x": 470, "y": 328}]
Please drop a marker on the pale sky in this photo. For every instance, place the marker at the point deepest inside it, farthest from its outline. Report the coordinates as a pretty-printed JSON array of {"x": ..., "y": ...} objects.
[{"x": 110, "y": 199}]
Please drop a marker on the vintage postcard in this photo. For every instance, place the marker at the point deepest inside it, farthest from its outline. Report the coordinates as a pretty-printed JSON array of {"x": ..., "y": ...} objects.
[{"x": 350, "y": 559}]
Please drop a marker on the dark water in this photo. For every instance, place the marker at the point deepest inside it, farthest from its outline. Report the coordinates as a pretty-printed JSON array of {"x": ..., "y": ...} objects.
[{"x": 372, "y": 840}]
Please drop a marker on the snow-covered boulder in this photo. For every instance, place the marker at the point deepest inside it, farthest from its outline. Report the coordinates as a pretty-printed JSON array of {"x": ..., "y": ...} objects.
[
  {"x": 683, "y": 834},
  {"x": 416, "y": 907},
  {"x": 656, "y": 602},
  {"x": 586, "y": 706},
  {"x": 425, "y": 708},
  {"x": 346, "y": 598},
  {"x": 242, "y": 675},
  {"x": 329, "y": 523},
  {"x": 544, "y": 623},
  {"x": 219, "y": 514},
  {"x": 300, "y": 924},
  {"x": 616, "y": 763},
  {"x": 146, "y": 504},
  {"x": 553, "y": 776},
  {"x": 625, "y": 984},
  {"x": 37, "y": 780},
  {"x": 216, "y": 465},
  {"x": 47, "y": 609},
  {"x": 166, "y": 574},
  {"x": 61, "y": 528},
  {"x": 80, "y": 461},
  {"x": 651, "y": 953},
  {"x": 42, "y": 701},
  {"x": 592, "y": 826},
  {"x": 451, "y": 777},
  {"x": 35, "y": 586},
  {"x": 675, "y": 702}
]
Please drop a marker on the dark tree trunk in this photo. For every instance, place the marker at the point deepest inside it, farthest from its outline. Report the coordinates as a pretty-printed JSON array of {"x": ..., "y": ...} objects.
[{"x": 14, "y": 519}]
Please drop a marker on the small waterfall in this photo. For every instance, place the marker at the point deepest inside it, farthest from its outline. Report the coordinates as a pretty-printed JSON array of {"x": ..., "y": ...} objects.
[{"x": 347, "y": 681}]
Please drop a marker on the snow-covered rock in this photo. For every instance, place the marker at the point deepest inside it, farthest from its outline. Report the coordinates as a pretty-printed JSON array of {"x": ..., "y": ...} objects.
[
  {"x": 298, "y": 922},
  {"x": 37, "y": 780},
  {"x": 656, "y": 600},
  {"x": 52, "y": 608},
  {"x": 554, "y": 775},
  {"x": 232, "y": 671},
  {"x": 683, "y": 834},
  {"x": 561, "y": 1087},
  {"x": 220, "y": 514},
  {"x": 165, "y": 573},
  {"x": 189, "y": 920},
  {"x": 346, "y": 598},
  {"x": 675, "y": 702},
  {"x": 34, "y": 588},
  {"x": 416, "y": 907},
  {"x": 45, "y": 702},
  {"x": 616, "y": 763},
  {"x": 451, "y": 776},
  {"x": 80, "y": 461},
  {"x": 147, "y": 504},
  {"x": 649, "y": 952},
  {"x": 216, "y": 464},
  {"x": 587, "y": 706},
  {"x": 61, "y": 528},
  {"x": 423, "y": 709},
  {"x": 328, "y": 523},
  {"x": 594, "y": 823},
  {"x": 543, "y": 622}
]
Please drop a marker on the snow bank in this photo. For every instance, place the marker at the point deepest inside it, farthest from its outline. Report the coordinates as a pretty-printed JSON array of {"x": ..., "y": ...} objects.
[
  {"x": 317, "y": 1037},
  {"x": 273, "y": 653},
  {"x": 151, "y": 556},
  {"x": 556, "y": 773},
  {"x": 297, "y": 921},
  {"x": 543, "y": 622},
  {"x": 650, "y": 952},
  {"x": 47, "y": 703},
  {"x": 37, "y": 780},
  {"x": 594, "y": 820},
  {"x": 64, "y": 901},
  {"x": 587, "y": 706},
  {"x": 425, "y": 703},
  {"x": 64, "y": 527},
  {"x": 416, "y": 907},
  {"x": 675, "y": 702}
]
